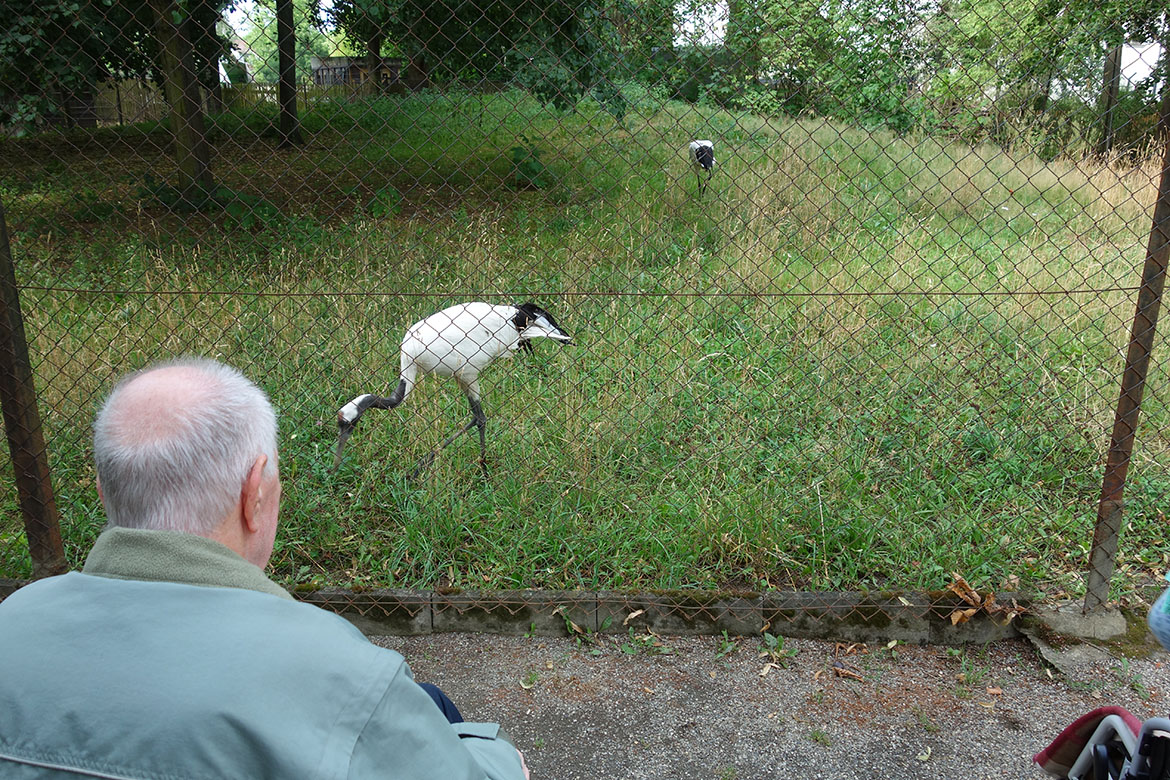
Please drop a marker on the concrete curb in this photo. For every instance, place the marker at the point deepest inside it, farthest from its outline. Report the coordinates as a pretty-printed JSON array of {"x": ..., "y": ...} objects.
[
  {"x": 846, "y": 616},
  {"x": 917, "y": 618}
]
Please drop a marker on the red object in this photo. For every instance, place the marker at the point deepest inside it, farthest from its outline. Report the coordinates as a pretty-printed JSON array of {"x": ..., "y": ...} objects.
[{"x": 1058, "y": 758}]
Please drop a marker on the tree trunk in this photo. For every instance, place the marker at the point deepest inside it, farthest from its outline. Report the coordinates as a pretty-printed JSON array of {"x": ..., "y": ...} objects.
[
  {"x": 286, "y": 53},
  {"x": 1163, "y": 132},
  {"x": 207, "y": 41},
  {"x": 374, "y": 64},
  {"x": 182, "y": 91},
  {"x": 1110, "y": 87}
]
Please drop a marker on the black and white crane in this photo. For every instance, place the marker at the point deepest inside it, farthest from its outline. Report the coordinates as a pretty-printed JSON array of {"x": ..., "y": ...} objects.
[
  {"x": 703, "y": 159},
  {"x": 459, "y": 341}
]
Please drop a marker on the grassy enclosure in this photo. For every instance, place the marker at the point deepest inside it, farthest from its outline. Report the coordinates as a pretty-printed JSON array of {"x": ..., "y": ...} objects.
[{"x": 862, "y": 360}]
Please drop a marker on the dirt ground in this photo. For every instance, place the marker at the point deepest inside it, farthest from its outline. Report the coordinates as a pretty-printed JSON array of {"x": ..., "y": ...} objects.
[{"x": 715, "y": 708}]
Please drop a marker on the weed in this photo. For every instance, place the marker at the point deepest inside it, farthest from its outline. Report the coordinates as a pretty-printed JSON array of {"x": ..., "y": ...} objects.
[
  {"x": 1131, "y": 679},
  {"x": 726, "y": 646},
  {"x": 924, "y": 720},
  {"x": 820, "y": 737},
  {"x": 385, "y": 203},
  {"x": 528, "y": 172},
  {"x": 971, "y": 674},
  {"x": 584, "y": 637},
  {"x": 772, "y": 647},
  {"x": 649, "y": 643}
]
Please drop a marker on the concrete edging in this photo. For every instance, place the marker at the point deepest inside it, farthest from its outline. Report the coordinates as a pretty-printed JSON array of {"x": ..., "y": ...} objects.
[
  {"x": 846, "y": 616},
  {"x": 843, "y": 616}
]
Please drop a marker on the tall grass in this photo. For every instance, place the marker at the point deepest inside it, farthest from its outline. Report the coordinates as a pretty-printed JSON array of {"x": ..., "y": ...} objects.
[{"x": 860, "y": 361}]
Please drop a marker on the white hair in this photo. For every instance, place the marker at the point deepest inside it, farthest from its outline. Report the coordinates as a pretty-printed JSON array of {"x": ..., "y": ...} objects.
[{"x": 177, "y": 461}]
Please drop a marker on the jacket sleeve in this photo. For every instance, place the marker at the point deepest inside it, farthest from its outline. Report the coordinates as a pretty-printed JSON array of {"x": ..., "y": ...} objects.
[{"x": 407, "y": 737}]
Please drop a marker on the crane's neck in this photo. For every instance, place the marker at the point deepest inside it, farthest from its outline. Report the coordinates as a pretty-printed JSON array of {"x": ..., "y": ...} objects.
[{"x": 358, "y": 406}]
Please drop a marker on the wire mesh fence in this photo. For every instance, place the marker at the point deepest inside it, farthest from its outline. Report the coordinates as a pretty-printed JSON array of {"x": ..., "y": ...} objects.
[{"x": 878, "y": 341}]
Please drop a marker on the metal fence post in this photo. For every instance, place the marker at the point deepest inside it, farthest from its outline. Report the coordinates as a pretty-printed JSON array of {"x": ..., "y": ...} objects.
[
  {"x": 22, "y": 424},
  {"x": 1103, "y": 555}
]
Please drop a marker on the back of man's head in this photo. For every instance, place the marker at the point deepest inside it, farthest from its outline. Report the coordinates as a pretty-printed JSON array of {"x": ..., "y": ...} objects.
[{"x": 174, "y": 442}]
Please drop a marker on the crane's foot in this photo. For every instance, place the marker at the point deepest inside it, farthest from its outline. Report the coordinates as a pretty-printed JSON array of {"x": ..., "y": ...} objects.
[{"x": 421, "y": 466}]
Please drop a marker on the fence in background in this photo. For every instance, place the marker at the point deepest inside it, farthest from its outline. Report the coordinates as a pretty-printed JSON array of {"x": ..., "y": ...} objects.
[{"x": 879, "y": 346}]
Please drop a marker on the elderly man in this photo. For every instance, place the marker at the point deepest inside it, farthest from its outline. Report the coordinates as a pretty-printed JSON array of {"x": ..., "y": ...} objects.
[{"x": 172, "y": 655}]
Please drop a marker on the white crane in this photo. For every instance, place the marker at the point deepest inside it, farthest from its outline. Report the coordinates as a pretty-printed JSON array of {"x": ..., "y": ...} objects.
[
  {"x": 459, "y": 341},
  {"x": 703, "y": 159}
]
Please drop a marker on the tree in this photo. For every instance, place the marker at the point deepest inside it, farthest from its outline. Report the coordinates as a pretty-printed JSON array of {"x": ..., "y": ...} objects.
[
  {"x": 290, "y": 126},
  {"x": 54, "y": 50},
  {"x": 558, "y": 49},
  {"x": 180, "y": 80},
  {"x": 260, "y": 35},
  {"x": 365, "y": 25}
]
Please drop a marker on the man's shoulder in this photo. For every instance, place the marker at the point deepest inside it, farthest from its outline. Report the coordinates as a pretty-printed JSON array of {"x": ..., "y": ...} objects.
[{"x": 85, "y": 601}]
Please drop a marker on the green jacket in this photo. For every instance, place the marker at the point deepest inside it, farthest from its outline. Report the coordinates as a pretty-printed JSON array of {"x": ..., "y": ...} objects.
[{"x": 172, "y": 657}]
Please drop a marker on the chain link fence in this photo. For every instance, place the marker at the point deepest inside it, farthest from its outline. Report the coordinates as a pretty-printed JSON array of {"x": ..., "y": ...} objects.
[{"x": 878, "y": 346}]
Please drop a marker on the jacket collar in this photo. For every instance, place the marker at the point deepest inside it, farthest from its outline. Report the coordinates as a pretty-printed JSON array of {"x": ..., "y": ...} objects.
[{"x": 171, "y": 556}]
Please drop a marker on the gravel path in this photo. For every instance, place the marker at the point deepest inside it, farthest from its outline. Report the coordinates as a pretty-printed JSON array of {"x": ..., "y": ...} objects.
[{"x": 694, "y": 707}]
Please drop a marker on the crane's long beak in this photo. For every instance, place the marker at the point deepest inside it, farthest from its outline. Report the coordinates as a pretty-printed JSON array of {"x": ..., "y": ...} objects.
[{"x": 343, "y": 433}]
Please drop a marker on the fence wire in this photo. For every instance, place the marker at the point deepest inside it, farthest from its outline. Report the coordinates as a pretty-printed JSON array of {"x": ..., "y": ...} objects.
[{"x": 877, "y": 344}]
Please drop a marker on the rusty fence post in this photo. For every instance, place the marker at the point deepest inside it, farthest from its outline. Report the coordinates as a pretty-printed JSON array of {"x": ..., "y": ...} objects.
[
  {"x": 1103, "y": 555},
  {"x": 22, "y": 423}
]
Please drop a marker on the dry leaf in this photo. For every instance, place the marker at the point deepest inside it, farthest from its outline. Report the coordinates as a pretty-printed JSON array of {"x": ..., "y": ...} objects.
[
  {"x": 712, "y": 673},
  {"x": 962, "y": 616},
  {"x": 631, "y": 616},
  {"x": 993, "y": 691},
  {"x": 767, "y": 668},
  {"x": 924, "y": 755},
  {"x": 841, "y": 670},
  {"x": 905, "y": 601},
  {"x": 963, "y": 590}
]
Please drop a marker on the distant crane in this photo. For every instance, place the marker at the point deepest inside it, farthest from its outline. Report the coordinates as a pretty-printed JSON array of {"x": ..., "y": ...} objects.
[
  {"x": 703, "y": 159},
  {"x": 459, "y": 341}
]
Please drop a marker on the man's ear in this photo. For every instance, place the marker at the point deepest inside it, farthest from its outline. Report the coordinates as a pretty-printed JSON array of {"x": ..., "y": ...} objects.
[{"x": 250, "y": 495}]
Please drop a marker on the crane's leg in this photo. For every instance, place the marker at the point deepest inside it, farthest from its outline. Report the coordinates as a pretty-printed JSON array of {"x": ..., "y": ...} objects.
[
  {"x": 478, "y": 419},
  {"x": 426, "y": 461}
]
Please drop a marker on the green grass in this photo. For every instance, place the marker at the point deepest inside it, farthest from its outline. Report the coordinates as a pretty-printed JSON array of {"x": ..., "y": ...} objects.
[{"x": 853, "y": 364}]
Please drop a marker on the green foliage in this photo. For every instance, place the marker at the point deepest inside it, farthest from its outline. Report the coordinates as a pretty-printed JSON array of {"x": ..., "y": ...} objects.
[
  {"x": 558, "y": 51},
  {"x": 772, "y": 647},
  {"x": 239, "y": 208},
  {"x": 385, "y": 203},
  {"x": 56, "y": 50},
  {"x": 528, "y": 172},
  {"x": 260, "y": 36}
]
